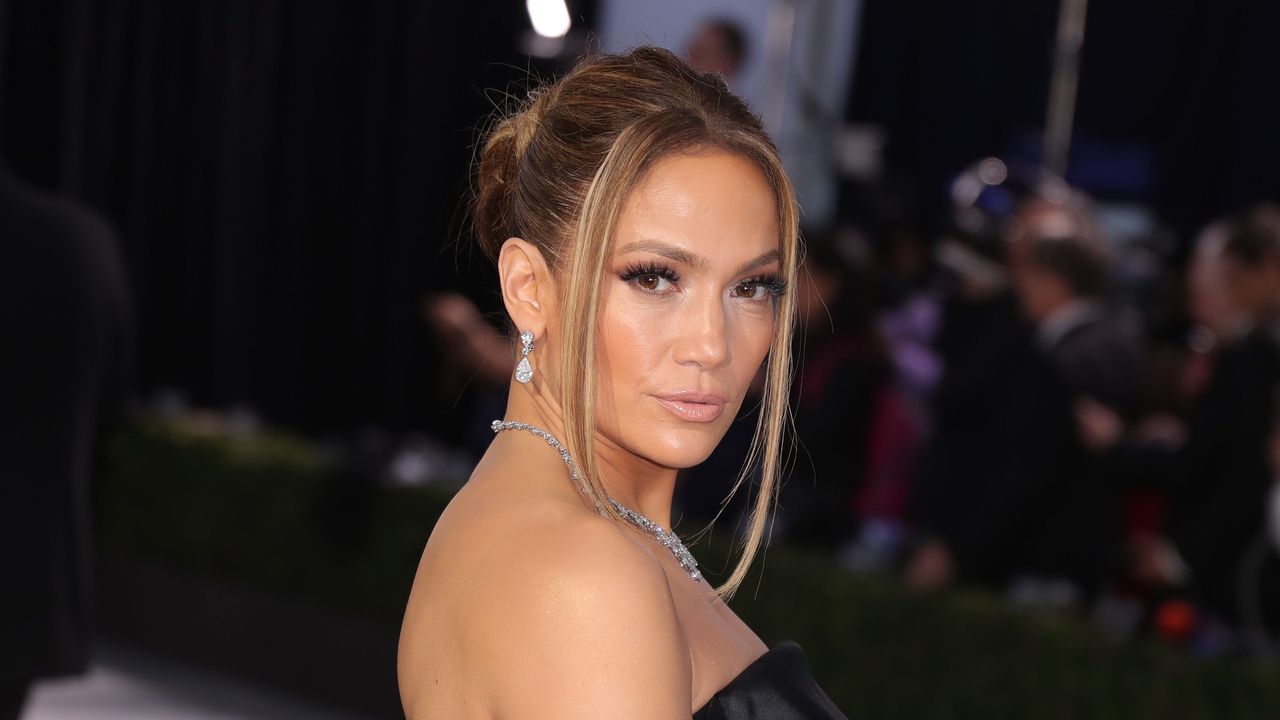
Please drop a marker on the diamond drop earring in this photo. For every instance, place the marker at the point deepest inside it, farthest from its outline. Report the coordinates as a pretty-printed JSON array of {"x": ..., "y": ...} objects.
[{"x": 524, "y": 372}]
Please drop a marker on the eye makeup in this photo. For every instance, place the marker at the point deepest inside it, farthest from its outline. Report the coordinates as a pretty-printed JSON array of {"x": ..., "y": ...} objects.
[
  {"x": 649, "y": 276},
  {"x": 772, "y": 283}
]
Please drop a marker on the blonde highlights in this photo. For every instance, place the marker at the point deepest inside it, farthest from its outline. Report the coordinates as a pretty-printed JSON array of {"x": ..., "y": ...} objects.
[{"x": 557, "y": 172}]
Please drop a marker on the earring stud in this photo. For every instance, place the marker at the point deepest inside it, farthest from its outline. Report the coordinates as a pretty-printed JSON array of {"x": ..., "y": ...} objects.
[{"x": 524, "y": 371}]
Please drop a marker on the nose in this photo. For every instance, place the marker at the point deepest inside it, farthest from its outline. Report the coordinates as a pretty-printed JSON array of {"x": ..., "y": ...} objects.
[{"x": 703, "y": 334}]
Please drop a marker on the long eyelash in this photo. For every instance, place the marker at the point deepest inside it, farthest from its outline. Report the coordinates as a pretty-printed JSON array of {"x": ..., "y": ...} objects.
[
  {"x": 635, "y": 270},
  {"x": 773, "y": 284}
]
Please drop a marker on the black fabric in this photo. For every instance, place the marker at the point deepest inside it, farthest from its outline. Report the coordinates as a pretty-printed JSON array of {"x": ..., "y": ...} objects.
[
  {"x": 1102, "y": 359},
  {"x": 1052, "y": 501},
  {"x": 13, "y": 696},
  {"x": 984, "y": 346},
  {"x": 66, "y": 317},
  {"x": 1009, "y": 486},
  {"x": 1058, "y": 498},
  {"x": 835, "y": 405},
  {"x": 980, "y": 343},
  {"x": 776, "y": 686}
]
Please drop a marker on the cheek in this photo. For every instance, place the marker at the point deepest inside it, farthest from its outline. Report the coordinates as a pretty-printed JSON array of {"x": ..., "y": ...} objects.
[
  {"x": 635, "y": 335},
  {"x": 631, "y": 341},
  {"x": 750, "y": 344}
]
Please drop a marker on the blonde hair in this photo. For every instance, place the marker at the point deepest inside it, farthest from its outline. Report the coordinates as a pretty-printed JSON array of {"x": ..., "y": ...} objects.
[{"x": 556, "y": 173}]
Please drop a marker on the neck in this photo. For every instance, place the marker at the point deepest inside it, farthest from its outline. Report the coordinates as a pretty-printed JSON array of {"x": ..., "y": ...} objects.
[{"x": 632, "y": 480}]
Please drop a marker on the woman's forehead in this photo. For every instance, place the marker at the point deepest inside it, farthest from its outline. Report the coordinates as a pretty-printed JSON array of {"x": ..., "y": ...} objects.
[{"x": 713, "y": 203}]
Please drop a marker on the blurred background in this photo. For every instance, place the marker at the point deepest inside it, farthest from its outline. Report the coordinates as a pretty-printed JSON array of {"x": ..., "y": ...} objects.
[{"x": 249, "y": 351}]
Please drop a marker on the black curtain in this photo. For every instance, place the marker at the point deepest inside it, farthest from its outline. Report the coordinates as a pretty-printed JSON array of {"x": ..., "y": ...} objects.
[
  {"x": 950, "y": 80},
  {"x": 1194, "y": 83},
  {"x": 285, "y": 176}
]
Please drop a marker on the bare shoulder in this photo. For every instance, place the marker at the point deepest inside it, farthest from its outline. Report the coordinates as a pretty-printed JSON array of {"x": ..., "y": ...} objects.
[{"x": 579, "y": 622}]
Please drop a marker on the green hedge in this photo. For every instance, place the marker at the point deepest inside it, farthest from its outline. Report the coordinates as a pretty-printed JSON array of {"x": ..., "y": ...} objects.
[{"x": 250, "y": 509}]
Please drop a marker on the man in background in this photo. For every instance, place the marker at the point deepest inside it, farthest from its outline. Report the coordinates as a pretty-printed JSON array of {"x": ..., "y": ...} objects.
[
  {"x": 718, "y": 45},
  {"x": 1039, "y": 517},
  {"x": 1219, "y": 491},
  {"x": 65, "y": 317}
]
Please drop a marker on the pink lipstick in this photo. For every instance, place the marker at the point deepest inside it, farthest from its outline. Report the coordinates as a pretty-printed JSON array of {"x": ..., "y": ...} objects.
[{"x": 693, "y": 406}]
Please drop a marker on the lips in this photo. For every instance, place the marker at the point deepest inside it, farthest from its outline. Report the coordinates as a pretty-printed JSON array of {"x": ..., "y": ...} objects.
[{"x": 693, "y": 406}]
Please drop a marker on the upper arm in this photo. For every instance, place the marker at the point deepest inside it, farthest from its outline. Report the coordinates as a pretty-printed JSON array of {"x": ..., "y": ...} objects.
[{"x": 585, "y": 628}]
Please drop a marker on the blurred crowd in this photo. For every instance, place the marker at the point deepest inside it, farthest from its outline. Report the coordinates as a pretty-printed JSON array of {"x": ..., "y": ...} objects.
[{"x": 997, "y": 402}]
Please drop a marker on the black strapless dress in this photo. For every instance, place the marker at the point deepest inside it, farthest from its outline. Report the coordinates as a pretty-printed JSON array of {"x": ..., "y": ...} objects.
[{"x": 776, "y": 686}]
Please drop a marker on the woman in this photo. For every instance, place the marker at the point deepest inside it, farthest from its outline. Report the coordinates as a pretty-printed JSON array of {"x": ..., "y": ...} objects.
[{"x": 645, "y": 237}]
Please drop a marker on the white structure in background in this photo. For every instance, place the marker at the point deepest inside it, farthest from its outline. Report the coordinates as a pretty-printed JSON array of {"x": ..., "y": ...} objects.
[
  {"x": 550, "y": 18},
  {"x": 796, "y": 75},
  {"x": 551, "y": 23}
]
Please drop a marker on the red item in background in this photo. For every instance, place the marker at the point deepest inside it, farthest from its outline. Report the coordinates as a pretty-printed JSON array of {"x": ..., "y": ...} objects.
[
  {"x": 891, "y": 455},
  {"x": 1175, "y": 621}
]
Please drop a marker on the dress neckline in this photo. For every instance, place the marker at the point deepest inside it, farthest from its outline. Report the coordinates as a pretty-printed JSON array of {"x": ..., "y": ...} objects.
[{"x": 785, "y": 646}]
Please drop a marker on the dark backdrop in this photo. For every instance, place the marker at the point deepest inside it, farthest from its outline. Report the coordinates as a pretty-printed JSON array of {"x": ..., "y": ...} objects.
[
  {"x": 1192, "y": 85},
  {"x": 285, "y": 177}
]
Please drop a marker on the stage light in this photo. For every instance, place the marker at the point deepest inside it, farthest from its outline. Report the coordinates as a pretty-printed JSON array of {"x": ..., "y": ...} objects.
[{"x": 550, "y": 18}]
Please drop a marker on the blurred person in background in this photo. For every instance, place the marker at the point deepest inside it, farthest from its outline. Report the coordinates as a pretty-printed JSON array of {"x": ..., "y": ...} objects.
[
  {"x": 64, "y": 375},
  {"x": 845, "y": 373},
  {"x": 1214, "y": 469},
  {"x": 471, "y": 342},
  {"x": 906, "y": 307},
  {"x": 1042, "y": 521},
  {"x": 1219, "y": 491},
  {"x": 1086, "y": 351},
  {"x": 718, "y": 45},
  {"x": 1060, "y": 268},
  {"x": 1266, "y": 582},
  {"x": 981, "y": 340},
  {"x": 1146, "y": 454},
  {"x": 474, "y": 358}
]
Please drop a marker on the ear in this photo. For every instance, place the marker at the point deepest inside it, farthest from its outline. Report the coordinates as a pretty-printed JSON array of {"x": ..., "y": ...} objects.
[{"x": 527, "y": 287}]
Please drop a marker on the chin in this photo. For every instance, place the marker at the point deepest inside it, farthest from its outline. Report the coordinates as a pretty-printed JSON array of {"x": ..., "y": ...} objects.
[{"x": 680, "y": 447}]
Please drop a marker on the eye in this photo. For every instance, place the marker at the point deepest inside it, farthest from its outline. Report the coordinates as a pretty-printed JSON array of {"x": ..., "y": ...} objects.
[
  {"x": 758, "y": 289},
  {"x": 653, "y": 282},
  {"x": 650, "y": 278},
  {"x": 750, "y": 290}
]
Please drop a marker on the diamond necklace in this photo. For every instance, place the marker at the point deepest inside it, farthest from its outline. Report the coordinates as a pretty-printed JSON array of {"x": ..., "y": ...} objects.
[{"x": 666, "y": 539}]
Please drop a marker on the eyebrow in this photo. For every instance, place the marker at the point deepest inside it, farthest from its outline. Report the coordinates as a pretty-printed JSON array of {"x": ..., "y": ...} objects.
[{"x": 684, "y": 257}]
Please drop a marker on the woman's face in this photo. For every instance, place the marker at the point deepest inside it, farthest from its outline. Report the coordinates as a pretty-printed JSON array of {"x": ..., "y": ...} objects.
[{"x": 687, "y": 305}]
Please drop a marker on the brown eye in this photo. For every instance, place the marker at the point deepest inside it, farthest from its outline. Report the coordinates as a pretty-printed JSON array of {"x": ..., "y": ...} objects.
[
  {"x": 749, "y": 290},
  {"x": 652, "y": 282},
  {"x": 649, "y": 279}
]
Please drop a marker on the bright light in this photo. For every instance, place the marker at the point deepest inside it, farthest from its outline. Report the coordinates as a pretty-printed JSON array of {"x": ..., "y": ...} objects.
[{"x": 550, "y": 18}]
